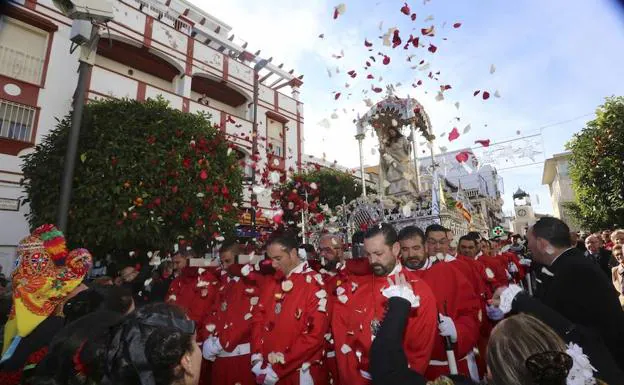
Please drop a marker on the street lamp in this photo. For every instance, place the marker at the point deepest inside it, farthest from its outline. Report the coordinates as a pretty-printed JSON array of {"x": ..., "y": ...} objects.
[
  {"x": 85, "y": 33},
  {"x": 361, "y": 134},
  {"x": 254, "y": 134}
]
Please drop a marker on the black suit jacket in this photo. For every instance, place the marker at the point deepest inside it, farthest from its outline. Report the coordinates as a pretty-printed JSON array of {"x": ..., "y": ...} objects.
[
  {"x": 603, "y": 260},
  {"x": 577, "y": 288}
]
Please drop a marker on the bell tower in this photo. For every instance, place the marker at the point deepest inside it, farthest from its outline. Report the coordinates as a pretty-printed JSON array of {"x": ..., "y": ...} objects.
[{"x": 524, "y": 214}]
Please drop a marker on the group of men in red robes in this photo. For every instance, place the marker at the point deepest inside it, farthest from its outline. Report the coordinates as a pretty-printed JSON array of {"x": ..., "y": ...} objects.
[{"x": 288, "y": 320}]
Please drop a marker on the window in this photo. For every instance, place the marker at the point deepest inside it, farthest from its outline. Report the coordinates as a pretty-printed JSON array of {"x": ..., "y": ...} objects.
[
  {"x": 275, "y": 138},
  {"x": 245, "y": 163},
  {"x": 16, "y": 121},
  {"x": 22, "y": 50}
]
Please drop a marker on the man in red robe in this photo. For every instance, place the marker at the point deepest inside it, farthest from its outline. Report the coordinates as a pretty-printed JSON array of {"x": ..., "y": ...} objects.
[
  {"x": 290, "y": 321},
  {"x": 359, "y": 309},
  {"x": 457, "y": 303},
  {"x": 227, "y": 326}
]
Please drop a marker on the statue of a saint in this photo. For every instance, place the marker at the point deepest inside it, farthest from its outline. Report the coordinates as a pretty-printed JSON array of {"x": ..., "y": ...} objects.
[{"x": 396, "y": 163}]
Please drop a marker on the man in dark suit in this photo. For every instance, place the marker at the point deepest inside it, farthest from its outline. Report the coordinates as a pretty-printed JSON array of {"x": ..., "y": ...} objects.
[
  {"x": 574, "y": 285},
  {"x": 597, "y": 253}
]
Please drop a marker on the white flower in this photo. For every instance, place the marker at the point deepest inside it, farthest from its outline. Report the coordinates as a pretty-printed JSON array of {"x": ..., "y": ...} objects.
[
  {"x": 247, "y": 316},
  {"x": 305, "y": 366},
  {"x": 254, "y": 301},
  {"x": 489, "y": 273},
  {"x": 246, "y": 270},
  {"x": 287, "y": 285},
  {"x": 340, "y": 290},
  {"x": 173, "y": 297},
  {"x": 211, "y": 327},
  {"x": 345, "y": 349},
  {"x": 321, "y": 294},
  {"x": 343, "y": 298},
  {"x": 308, "y": 279},
  {"x": 582, "y": 372},
  {"x": 275, "y": 358}
]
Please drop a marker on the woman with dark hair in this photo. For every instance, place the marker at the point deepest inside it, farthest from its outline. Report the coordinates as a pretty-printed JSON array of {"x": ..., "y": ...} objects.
[{"x": 153, "y": 346}]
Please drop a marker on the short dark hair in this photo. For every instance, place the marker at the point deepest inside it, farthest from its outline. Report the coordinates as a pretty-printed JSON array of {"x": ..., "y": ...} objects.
[
  {"x": 468, "y": 238},
  {"x": 357, "y": 237},
  {"x": 554, "y": 230},
  {"x": 474, "y": 235},
  {"x": 285, "y": 238},
  {"x": 389, "y": 233},
  {"x": 433, "y": 228},
  {"x": 409, "y": 232},
  {"x": 229, "y": 245},
  {"x": 186, "y": 253}
]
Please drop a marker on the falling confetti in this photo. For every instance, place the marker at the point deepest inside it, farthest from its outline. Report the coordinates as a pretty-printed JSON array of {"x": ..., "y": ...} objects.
[
  {"x": 497, "y": 94},
  {"x": 484, "y": 142},
  {"x": 432, "y": 48},
  {"x": 340, "y": 9},
  {"x": 486, "y": 95},
  {"x": 462, "y": 156},
  {"x": 386, "y": 60},
  {"x": 457, "y": 25},
  {"x": 405, "y": 9},
  {"x": 454, "y": 134},
  {"x": 428, "y": 31},
  {"x": 476, "y": 93},
  {"x": 337, "y": 95},
  {"x": 367, "y": 43}
]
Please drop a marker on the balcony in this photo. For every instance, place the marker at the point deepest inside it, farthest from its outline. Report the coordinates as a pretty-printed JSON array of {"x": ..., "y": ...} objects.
[{"x": 19, "y": 65}]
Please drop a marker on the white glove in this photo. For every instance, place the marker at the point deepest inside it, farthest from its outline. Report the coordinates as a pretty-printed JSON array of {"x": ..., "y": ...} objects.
[
  {"x": 447, "y": 328},
  {"x": 494, "y": 313},
  {"x": 512, "y": 267},
  {"x": 270, "y": 376},
  {"x": 211, "y": 348},
  {"x": 401, "y": 289},
  {"x": 257, "y": 368},
  {"x": 525, "y": 262}
]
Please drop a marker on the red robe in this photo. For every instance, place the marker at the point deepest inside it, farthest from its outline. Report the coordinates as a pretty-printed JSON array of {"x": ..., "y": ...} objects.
[
  {"x": 509, "y": 257},
  {"x": 292, "y": 320},
  {"x": 359, "y": 303},
  {"x": 332, "y": 280},
  {"x": 194, "y": 291},
  {"x": 456, "y": 299},
  {"x": 230, "y": 321}
]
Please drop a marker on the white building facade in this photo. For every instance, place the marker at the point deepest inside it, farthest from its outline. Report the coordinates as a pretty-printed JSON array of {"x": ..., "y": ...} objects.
[
  {"x": 557, "y": 177},
  {"x": 166, "y": 48}
]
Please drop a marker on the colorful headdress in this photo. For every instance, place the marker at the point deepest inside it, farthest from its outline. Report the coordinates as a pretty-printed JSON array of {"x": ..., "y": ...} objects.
[{"x": 45, "y": 274}]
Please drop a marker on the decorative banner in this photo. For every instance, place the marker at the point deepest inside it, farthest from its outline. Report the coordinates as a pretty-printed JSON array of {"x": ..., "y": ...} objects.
[{"x": 513, "y": 153}]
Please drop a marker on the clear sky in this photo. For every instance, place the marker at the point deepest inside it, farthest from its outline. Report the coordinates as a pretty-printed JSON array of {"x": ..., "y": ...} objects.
[{"x": 554, "y": 61}]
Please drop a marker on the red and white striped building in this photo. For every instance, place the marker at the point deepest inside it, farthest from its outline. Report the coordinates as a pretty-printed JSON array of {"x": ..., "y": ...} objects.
[{"x": 166, "y": 48}]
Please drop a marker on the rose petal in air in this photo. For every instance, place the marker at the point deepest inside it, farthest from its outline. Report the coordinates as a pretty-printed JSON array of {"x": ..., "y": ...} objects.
[
  {"x": 486, "y": 95},
  {"x": 476, "y": 93},
  {"x": 492, "y": 68},
  {"x": 457, "y": 25},
  {"x": 367, "y": 43},
  {"x": 483, "y": 142},
  {"x": 428, "y": 31},
  {"x": 337, "y": 95},
  {"x": 339, "y": 10},
  {"x": 386, "y": 60},
  {"x": 462, "y": 156},
  {"x": 454, "y": 134},
  {"x": 432, "y": 48},
  {"x": 413, "y": 16},
  {"x": 345, "y": 349},
  {"x": 405, "y": 9}
]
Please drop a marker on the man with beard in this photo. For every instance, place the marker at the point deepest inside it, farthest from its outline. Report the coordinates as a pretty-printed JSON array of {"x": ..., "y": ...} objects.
[
  {"x": 360, "y": 305},
  {"x": 290, "y": 319},
  {"x": 458, "y": 305}
]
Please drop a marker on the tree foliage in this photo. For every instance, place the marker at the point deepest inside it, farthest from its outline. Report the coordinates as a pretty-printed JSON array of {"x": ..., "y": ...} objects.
[
  {"x": 323, "y": 186},
  {"x": 146, "y": 176},
  {"x": 597, "y": 168}
]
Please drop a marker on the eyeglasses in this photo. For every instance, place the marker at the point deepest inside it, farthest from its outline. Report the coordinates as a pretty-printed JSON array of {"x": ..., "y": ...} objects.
[{"x": 441, "y": 242}]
